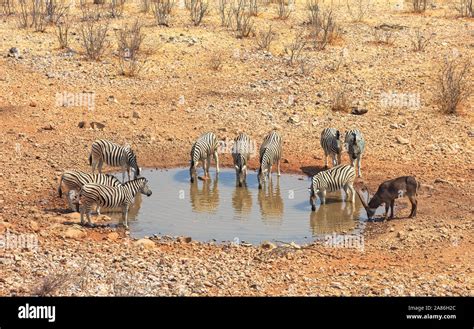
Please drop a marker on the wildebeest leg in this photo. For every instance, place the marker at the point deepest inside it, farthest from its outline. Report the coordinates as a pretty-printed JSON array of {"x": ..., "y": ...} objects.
[
  {"x": 392, "y": 204},
  {"x": 387, "y": 205},
  {"x": 414, "y": 205}
]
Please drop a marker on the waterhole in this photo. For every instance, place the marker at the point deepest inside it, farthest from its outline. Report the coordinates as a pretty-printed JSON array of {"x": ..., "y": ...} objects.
[{"x": 218, "y": 210}]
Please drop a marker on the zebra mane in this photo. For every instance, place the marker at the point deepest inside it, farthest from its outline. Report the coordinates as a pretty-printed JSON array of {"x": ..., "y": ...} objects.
[{"x": 135, "y": 184}]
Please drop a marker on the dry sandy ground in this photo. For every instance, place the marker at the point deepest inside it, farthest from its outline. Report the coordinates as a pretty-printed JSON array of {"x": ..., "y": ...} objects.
[{"x": 178, "y": 96}]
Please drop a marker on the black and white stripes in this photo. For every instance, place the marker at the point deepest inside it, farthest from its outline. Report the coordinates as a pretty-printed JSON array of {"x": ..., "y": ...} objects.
[
  {"x": 270, "y": 153},
  {"x": 73, "y": 180},
  {"x": 111, "y": 197},
  {"x": 202, "y": 150},
  {"x": 331, "y": 146},
  {"x": 241, "y": 151},
  {"x": 114, "y": 155},
  {"x": 339, "y": 177}
]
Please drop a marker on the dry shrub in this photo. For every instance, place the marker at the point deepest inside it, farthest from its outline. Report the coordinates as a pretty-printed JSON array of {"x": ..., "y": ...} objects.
[
  {"x": 306, "y": 67},
  {"x": 7, "y": 7},
  {"x": 265, "y": 38},
  {"x": 52, "y": 284},
  {"x": 243, "y": 21},
  {"x": 253, "y": 7},
  {"x": 216, "y": 62},
  {"x": 465, "y": 8},
  {"x": 225, "y": 12},
  {"x": 94, "y": 38},
  {"x": 419, "y": 6},
  {"x": 295, "y": 48},
  {"x": 359, "y": 10},
  {"x": 116, "y": 8},
  {"x": 453, "y": 84},
  {"x": 129, "y": 41},
  {"x": 322, "y": 25},
  {"x": 62, "y": 33},
  {"x": 420, "y": 40},
  {"x": 162, "y": 11},
  {"x": 283, "y": 9},
  {"x": 384, "y": 37},
  {"x": 145, "y": 6},
  {"x": 90, "y": 12},
  {"x": 197, "y": 10},
  {"x": 56, "y": 10}
]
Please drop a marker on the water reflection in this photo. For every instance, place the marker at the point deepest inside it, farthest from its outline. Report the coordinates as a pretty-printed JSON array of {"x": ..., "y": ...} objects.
[
  {"x": 242, "y": 200},
  {"x": 335, "y": 216},
  {"x": 271, "y": 202},
  {"x": 206, "y": 197}
]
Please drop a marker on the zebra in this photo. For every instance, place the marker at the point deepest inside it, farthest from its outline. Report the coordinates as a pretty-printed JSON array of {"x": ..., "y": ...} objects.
[
  {"x": 73, "y": 180},
  {"x": 341, "y": 176},
  {"x": 354, "y": 144},
  {"x": 241, "y": 152},
  {"x": 114, "y": 155},
  {"x": 111, "y": 197},
  {"x": 331, "y": 145},
  {"x": 202, "y": 150},
  {"x": 270, "y": 152}
]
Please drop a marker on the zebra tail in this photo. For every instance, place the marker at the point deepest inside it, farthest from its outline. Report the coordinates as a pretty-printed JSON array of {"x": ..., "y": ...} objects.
[{"x": 90, "y": 159}]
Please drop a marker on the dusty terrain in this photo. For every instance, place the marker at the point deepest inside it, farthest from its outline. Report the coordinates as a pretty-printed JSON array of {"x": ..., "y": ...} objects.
[{"x": 178, "y": 96}]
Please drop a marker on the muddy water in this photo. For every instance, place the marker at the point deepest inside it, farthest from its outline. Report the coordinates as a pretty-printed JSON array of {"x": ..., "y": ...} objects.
[{"x": 218, "y": 210}]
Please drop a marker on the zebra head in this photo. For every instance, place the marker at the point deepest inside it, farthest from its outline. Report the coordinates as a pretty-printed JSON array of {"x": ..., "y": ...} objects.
[
  {"x": 262, "y": 176},
  {"x": 144, "y": 188},
  {"x": 338, "y": 141},
  {"x": 132, "y": 161},
  {"x": 240, "y": 169}
]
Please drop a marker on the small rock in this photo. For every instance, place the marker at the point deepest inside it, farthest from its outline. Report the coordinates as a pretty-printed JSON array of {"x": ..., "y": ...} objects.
[
  {"x": 34, "y": 226},
  {"x": 97, "y": 125},
  {"x": 136, "y": 115},
  {"x": 358, "y": 111},
  {"x": 14, "y": 52},
  {"x": 81, "y": 124},
  {"x": 146, "y": 243},
  {"x": 48, "y": 127},
  {"x": 294, "y": 119},
  {"x": 394, "y": 126},
  {"x": 113, "y": 236},
  {"x": 402, "y": 140},
  {"x": 267, "y": 245},
  {"x": 74, "y": 233},
  {"x": 184, "y": 239}
]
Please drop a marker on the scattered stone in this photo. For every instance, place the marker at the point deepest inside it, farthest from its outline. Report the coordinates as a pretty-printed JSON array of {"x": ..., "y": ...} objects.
[
  {"x": 48, "y": 127},
  {"x": 136, "y": 115},
  {"x": 267, "y": 245},
  {"x": 97, "y": 125},
  {"x": 184, "y": 239},
  {"x": 74, "y": 233},
  {"x": 295, "y": 119},
  {"x": 358, "y": 111},
  {"x": 14, "y": 52},
  {"x": 145, "y": 243},
  {"x": 402, "y": 141},
  {"x": 81, "y": 124}
]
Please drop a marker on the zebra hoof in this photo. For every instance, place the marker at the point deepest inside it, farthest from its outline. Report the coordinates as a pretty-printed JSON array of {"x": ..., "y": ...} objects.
[{"x": 313, "y": 208}]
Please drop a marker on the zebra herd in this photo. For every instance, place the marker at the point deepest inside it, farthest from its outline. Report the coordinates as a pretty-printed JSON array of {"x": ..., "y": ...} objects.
[{"x": 86, "y": 190}]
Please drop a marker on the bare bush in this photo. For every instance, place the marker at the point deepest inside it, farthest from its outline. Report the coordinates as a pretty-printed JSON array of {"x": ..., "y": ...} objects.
[
  {"x": 242, "y": 19},
  {"x": 306, "y": 67},
  {"x": 94, "y": 38},
  {"x": 24, "y": 13},
  {"x": 340, "y": 103},
  {"x": 224, "y": 12},
  {"x": 284, "y": 9},
  {"x": 56, "y": 10},
  {"x": 265, "y": 38},
  {"x": 7, "y": 7},
  {"x": 145, "y": 6},
  {"x": 51, "y": 284},
  {"x": 129, "y": 41},
  {"x": 322, "y": 25},
  {"x": 419, "y": 6},
  {"x": 465, "y": 8},
  {"x": 295, "y": 48},
  {"x": 359, "y": 10},
  {"x": 162, "y": 11},
  {"x": 420, "y": 40},
  {"x": 116, "y": 8},
  {"x": 453, "y": 85},
  {"x": 253, "y": 7},
  {"x": 198, "y": 9},
  {"x": 90, "y": 12},
  {"x": 216, "y": 62},
  {"x": 39, "y": 15},
  {"x": 62, "y": 33},
  {"x": 384, "y": 37}
]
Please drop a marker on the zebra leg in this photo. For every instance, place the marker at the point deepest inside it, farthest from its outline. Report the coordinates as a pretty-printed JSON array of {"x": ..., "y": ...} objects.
[
  {"x": 311, "y": 201},
  {"x": 82, "y": 214},
  {"x": 216, "y": 158},
  {"x": 351, "y": 188},
  {"x": 125, "y": 215},
  {"x": 70, "y": 196},
  {"x": 323, "y": 196},
  {"x": 278, "y": 168},
  {"x": 208, "y": 166}
]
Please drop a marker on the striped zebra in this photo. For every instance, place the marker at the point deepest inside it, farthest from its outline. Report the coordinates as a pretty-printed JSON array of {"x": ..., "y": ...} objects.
[
  {"x": 354, "y": 144},
  {"x": 113, "y": 155},
  {"x": 331, "y": 145},
  {"x": 202, "y": 150},
  {"x": 111, "y": 197},
  {"x": 241, "y": 151},
  {"x": 270, "y": 152},
  {"x": 72, "y": 181},
  {"x": 341, "y": 176}
]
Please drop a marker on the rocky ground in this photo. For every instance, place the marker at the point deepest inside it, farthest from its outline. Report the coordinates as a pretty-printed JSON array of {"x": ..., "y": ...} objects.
[{"x": 178, "y": 96}]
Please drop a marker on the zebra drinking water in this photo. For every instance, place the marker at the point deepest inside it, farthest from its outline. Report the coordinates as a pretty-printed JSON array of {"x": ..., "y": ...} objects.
[
  {"x": 202, "y": 150},
  {"x": 241, "y": 151},
  {"x": 331, "y": 180},
  {"x": 331, "y": 146},
  {"x": 113, "y": 155},
  {"x": 111, "y": 197},
  {"x": 270, "y": 152},
  {"x": 73, "y": 180},
  {"x": 355, "y": 145}
]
